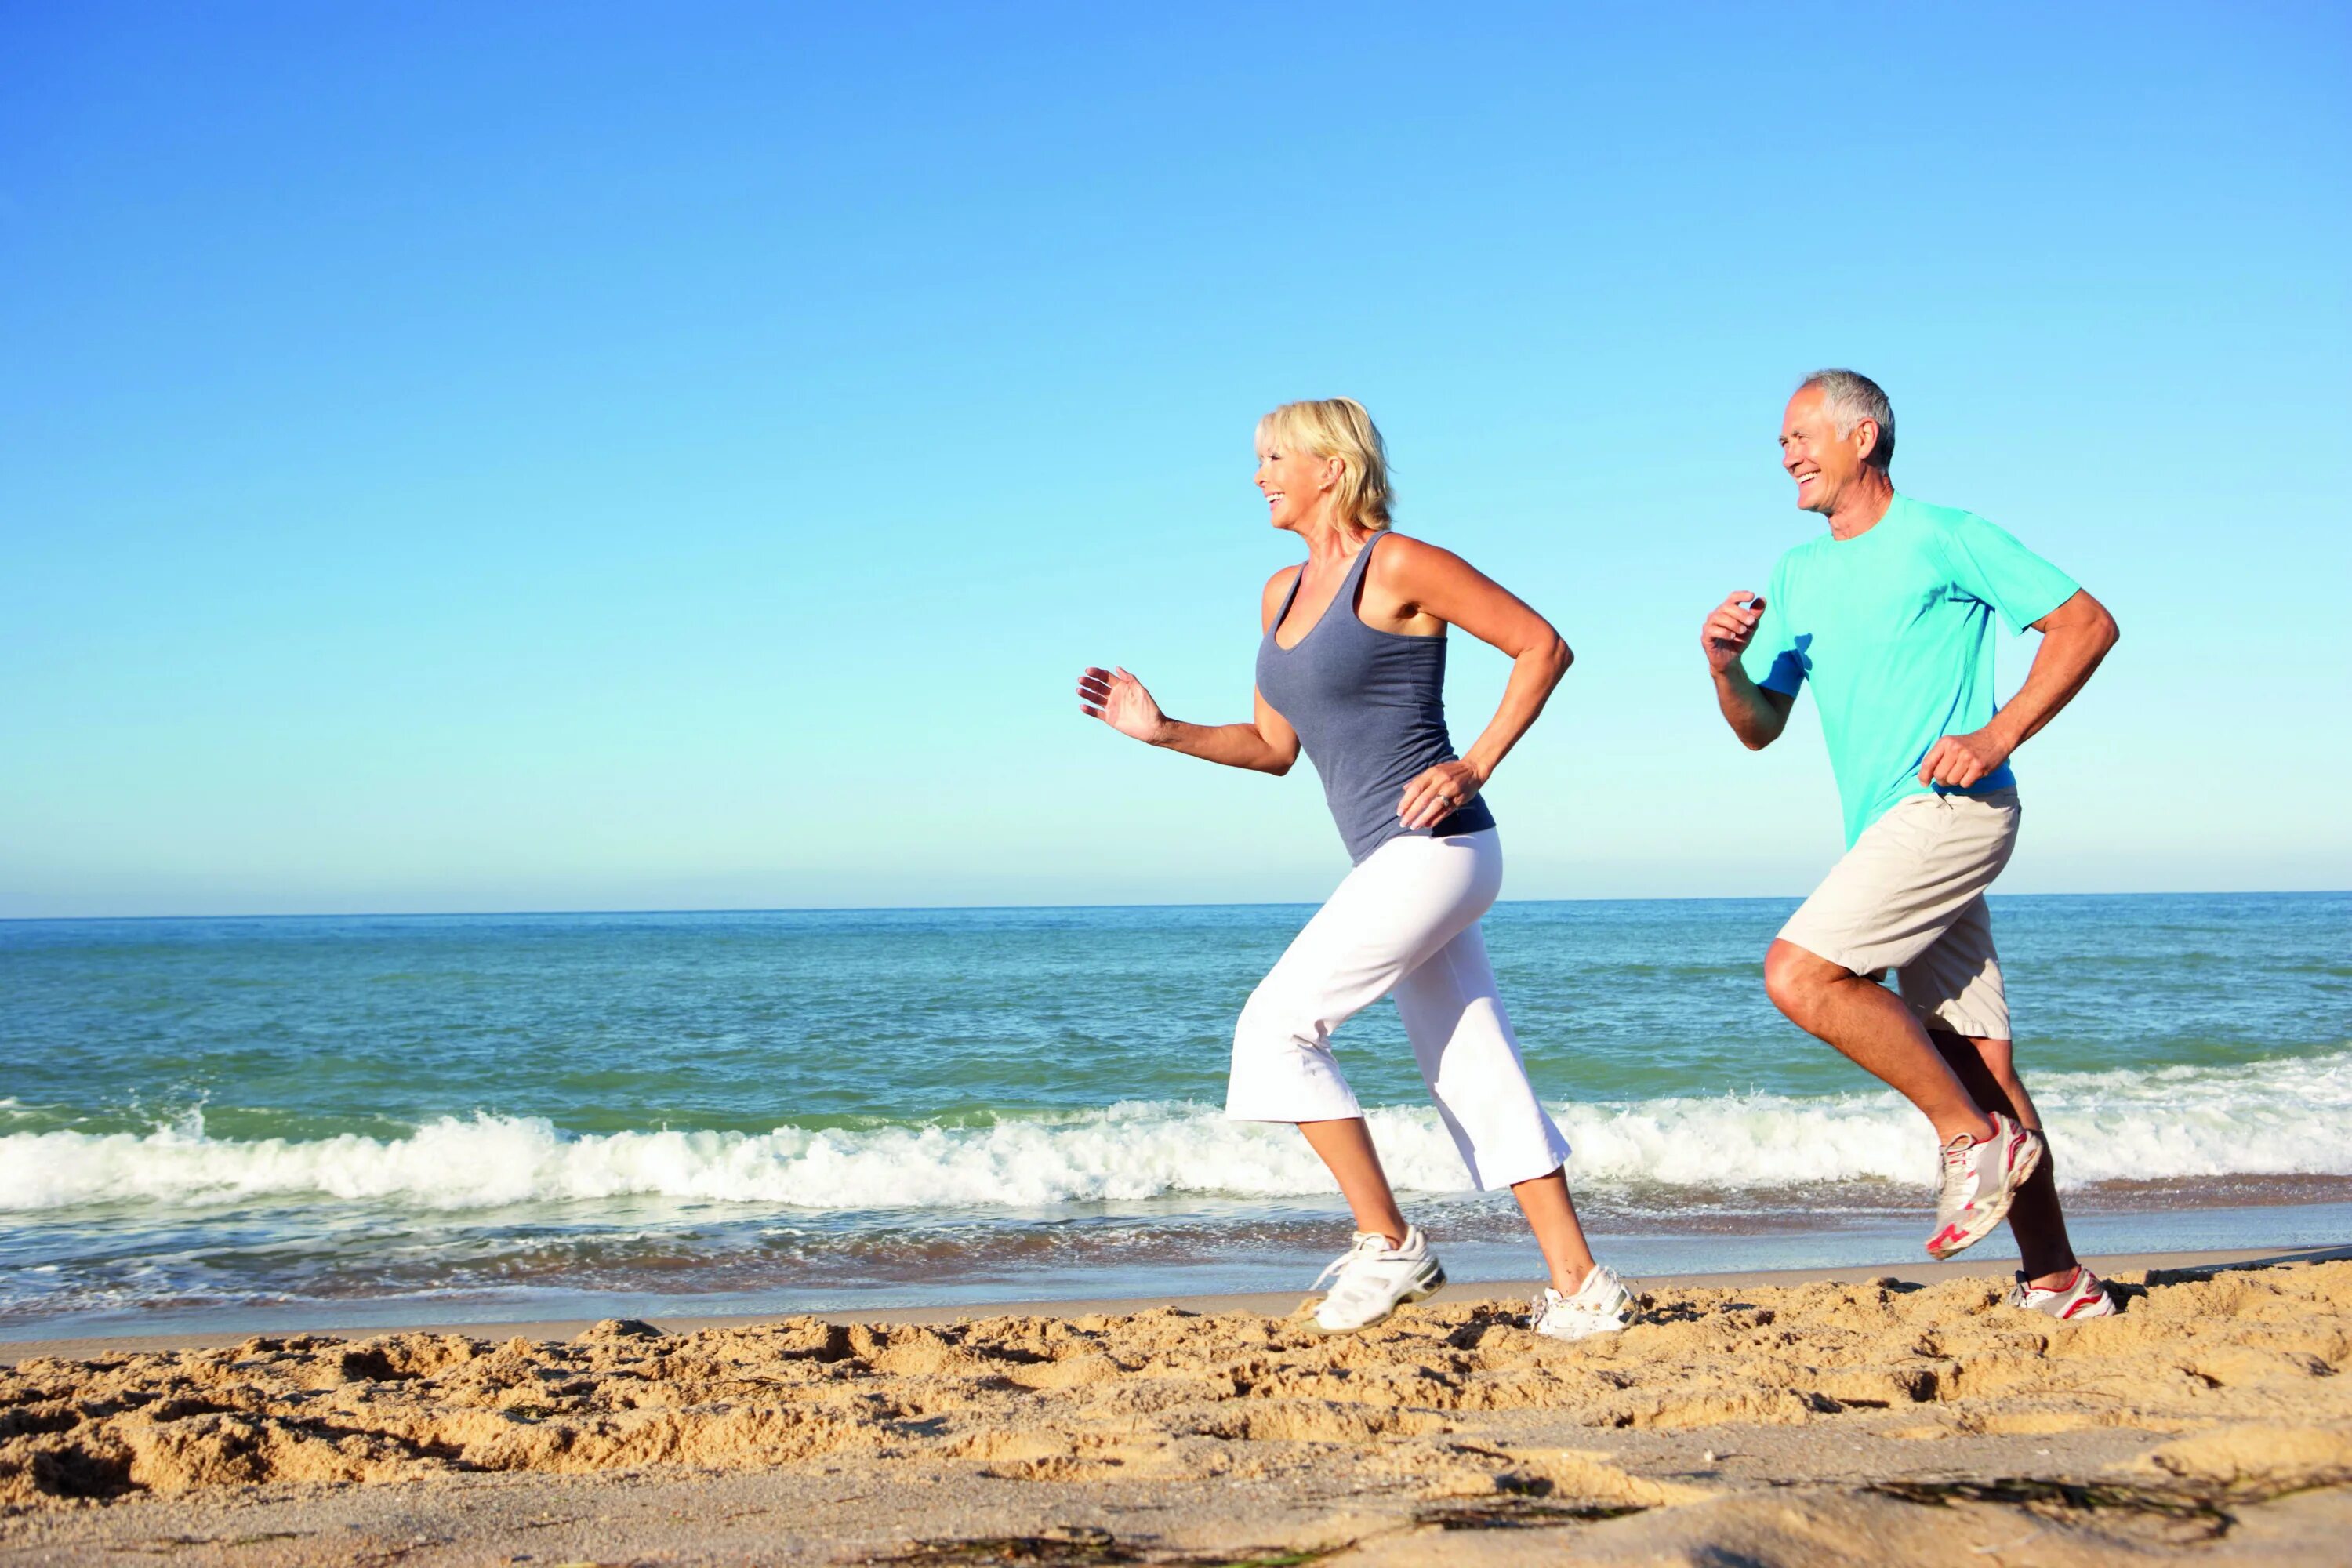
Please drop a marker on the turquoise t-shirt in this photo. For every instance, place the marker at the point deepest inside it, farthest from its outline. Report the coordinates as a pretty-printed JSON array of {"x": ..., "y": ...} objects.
[{"x": 1894, "y": 627}]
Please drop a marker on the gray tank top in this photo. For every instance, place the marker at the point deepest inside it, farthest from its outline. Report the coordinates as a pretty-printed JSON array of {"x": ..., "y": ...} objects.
[{"x": 1369, "y": 709}]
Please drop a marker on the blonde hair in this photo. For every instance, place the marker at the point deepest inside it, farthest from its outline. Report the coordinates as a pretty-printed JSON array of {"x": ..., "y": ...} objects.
[{"x": 1337, "y": 427}]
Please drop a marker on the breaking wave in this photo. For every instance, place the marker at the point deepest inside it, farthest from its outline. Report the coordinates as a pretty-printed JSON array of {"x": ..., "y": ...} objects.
[{"x": 2283, "y": 1117}]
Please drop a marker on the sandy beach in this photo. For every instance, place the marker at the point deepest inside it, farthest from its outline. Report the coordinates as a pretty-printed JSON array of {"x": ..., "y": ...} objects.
[{"x": 1903, "y": 1417}]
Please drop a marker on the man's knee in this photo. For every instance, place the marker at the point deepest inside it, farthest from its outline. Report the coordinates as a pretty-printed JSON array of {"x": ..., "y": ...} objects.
[{"x": 1796, "y": 980}]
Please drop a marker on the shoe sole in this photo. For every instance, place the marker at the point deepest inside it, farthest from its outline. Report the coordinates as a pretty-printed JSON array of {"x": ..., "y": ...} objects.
[
  {"x": 1425, "y": 1285},
  {"x": 1992, "y": 1216},
  {"x": 2082, "y": 1311},
  {"x": 1594, "y": 1332}
]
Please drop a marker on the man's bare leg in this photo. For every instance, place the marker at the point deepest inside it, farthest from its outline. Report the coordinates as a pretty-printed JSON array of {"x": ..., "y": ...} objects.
[
  {"x": 1551, "y": 1214},
  {"x": 1345, "y": 1146},
  {"x": 1988, "y": 1070},
  {"x": 1877, "y": 1031}
]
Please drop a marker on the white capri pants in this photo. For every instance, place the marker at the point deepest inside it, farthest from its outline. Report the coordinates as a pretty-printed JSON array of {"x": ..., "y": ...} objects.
[{"x": 1404, "y": 922}]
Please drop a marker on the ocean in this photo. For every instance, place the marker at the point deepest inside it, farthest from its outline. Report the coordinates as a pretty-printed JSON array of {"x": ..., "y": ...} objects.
[{"x": 354, "y": 1121}]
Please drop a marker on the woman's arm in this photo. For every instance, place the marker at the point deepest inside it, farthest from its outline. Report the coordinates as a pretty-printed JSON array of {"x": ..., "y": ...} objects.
[
  {"x": 1266, "y": 744},
  {"x": 1422, "y": 579}
]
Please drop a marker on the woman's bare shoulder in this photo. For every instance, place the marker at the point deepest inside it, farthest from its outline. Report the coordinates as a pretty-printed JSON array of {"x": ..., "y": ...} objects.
[
  {"x": 1269, "y": 599},
  {"x": 1279, "y": 584},
  {"x": 1404, "y": 560}
]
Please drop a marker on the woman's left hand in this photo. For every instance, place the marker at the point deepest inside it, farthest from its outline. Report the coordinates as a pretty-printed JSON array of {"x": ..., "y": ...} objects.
[{"x": 1438, "y": 794}]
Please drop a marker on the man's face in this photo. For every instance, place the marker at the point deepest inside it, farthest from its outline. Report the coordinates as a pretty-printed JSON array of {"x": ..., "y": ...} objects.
[{"x": 1825, "y": 464}]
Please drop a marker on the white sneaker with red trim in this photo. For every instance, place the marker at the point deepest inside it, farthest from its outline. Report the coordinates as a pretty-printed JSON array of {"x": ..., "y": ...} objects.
[
  {"x": 2082, "y": 1297},
  {"x": 1980, "y": 1178}
]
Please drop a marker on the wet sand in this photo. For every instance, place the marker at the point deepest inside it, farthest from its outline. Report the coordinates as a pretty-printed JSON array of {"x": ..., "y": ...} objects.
[{"x": 1908, "y": 1417}]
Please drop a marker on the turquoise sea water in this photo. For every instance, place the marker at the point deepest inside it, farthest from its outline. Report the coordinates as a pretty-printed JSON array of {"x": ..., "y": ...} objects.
[{"x": 367, "y": 1119}]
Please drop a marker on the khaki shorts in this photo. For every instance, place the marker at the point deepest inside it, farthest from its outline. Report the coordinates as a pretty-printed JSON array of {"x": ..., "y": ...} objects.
[{"x": 1909, "y": 896}]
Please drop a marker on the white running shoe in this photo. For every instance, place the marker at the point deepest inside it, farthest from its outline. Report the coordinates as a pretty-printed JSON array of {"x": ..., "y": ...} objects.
[
  {"x": 2085, "y": 1298},
  {"x": 1375, "y": 1280},
  {"x": 1980, "y": 1179},
  {"x": 1601, "y": 1305}
]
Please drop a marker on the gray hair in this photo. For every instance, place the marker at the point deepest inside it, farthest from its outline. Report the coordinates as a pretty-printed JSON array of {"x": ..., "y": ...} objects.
[{"x": 1850, "y": 397}]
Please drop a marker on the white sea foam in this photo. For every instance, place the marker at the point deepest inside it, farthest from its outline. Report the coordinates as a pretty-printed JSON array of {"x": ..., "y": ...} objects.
[{"x": 2283, "y": 1117}]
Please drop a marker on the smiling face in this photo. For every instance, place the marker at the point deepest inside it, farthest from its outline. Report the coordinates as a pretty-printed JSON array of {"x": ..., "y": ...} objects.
[
  {"x": 1295, "y": 484},
  {"x": 1827, "y": 466}
]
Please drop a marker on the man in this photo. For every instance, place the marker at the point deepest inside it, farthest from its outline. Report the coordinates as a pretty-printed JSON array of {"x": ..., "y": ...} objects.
[{"x": 1890, "y": 619}]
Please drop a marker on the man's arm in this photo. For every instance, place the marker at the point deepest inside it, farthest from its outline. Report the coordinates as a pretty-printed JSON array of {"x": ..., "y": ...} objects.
[
  {"x": 2075, "y": 638},
  {"x": 1757, "y": 714}
]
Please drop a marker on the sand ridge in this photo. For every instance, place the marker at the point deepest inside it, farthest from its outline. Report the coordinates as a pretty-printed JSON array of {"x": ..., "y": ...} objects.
[{"x": 2240, "y": 1366}]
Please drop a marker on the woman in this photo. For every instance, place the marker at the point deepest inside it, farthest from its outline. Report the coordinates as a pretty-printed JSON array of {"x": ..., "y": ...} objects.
[{"x": 1352, "y": 664}]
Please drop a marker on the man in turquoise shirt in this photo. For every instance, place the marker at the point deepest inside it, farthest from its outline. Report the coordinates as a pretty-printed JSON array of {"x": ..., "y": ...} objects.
[{"x": 1889, "y": 619}]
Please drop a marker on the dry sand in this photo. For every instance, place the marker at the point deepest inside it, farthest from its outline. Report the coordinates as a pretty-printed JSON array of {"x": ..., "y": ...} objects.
[{"x": 1792, "y": 1422}]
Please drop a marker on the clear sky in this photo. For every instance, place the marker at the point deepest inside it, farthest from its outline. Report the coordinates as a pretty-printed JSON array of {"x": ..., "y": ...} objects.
[{"x": 599, "y": 456}]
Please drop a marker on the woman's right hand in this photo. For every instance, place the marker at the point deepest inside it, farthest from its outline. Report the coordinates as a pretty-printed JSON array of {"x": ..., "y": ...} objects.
[{"x": 1119, "y": 700}]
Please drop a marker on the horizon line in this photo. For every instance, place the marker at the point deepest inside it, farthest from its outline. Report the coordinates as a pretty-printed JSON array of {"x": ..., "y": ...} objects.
[{"x": 980, "y": 909}]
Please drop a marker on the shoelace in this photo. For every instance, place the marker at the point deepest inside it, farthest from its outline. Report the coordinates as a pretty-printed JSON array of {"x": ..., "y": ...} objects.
[{"x": 1954, "y": 1159}]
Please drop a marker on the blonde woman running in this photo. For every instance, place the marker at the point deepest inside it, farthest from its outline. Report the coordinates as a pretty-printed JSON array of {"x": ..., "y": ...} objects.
[{"x": 1352, "y": 666}]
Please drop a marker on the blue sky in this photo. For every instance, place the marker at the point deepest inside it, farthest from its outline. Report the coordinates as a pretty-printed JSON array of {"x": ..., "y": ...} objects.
[{"x": 625, "y": 456}]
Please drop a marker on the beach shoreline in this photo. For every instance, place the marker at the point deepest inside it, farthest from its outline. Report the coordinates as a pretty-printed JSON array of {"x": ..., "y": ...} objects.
[{"x": 1268, "y": 1303}]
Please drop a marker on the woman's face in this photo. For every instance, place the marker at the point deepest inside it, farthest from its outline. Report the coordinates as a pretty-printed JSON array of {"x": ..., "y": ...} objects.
[{"x": 1294, "y": 484}]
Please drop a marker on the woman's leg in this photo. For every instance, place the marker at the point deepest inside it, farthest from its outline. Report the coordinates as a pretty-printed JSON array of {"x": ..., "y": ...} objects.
[
  {"x": 1345, "y": 1146},
  {"x": 1460, "y": 1034},
  {"x": 1408, "y": 899},
  {"x": 1470, "y": 1060},
  {"x": 1551, "y": 1214}
]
